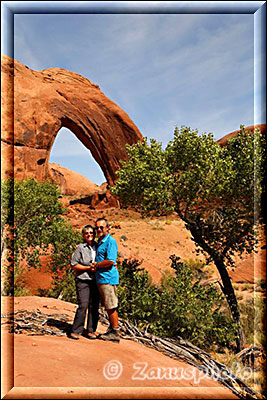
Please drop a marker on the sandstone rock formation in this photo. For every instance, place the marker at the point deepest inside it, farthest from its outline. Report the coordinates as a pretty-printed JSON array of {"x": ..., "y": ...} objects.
[
  {"x": 223, "y": 141},
  {"x": 37, "y": 104},
  {"x": 72, "y": 183},
  {"x": 76, "y": 189}
]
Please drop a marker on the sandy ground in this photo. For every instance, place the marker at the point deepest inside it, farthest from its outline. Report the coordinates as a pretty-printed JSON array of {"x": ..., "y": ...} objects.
[
  {"x": 58, "y": 367},
  {"x": 152, "y": 241}
]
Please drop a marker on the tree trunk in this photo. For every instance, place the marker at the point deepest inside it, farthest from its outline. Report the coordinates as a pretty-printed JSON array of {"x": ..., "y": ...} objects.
[
  {"x": 227, "y": 287},
  {"x": 229, "y": 293}
]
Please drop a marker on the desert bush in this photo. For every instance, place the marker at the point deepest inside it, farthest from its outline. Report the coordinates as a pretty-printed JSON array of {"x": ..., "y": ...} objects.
[
  {"x": 20, "y": 290},
  {"x": 254, "y": 378},
  {"x": 260, "y": 285},
  {"x": 136, "y": 293},
  {"x": 123, "y": 238},
  {"x": 157, "y": 227},
  {"x": 33, "y": 225},
  {"x": 199, "y": 268},
  {"x": 180, "y": 306},
  {"x": 168, "y": 222}
]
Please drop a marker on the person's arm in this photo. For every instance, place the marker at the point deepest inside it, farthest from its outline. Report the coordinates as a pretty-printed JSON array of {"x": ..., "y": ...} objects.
[
  {"x": 103, "y": 264},
  {"x": 111, "y": 256},
  {"x": 75, "y": 262},
  {"x": 80, "y": 267}
]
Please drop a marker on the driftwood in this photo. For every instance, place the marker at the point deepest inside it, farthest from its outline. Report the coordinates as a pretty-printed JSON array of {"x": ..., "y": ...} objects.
[
  {"x": 182, "y": 350},
  {"x": 38, "y": 323},
  {"x": 250, "y": 355}
]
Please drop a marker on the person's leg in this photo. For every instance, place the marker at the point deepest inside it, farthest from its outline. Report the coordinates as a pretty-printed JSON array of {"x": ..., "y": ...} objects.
[
  {"x": 110, "y": 301},
  {"x": 112, "y": 334},
  {"x": 82, "y": 290},
  {"x": 93, "y": 307},
  {"x": 113, "y": 318}
]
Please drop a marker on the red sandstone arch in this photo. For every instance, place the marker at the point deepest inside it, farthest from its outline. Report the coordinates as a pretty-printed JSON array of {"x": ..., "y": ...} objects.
[{"x": 37, "y": 104}]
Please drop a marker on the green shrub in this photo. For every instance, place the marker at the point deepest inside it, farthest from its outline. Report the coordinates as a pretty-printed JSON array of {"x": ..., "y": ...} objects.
[
  {"x": 136, "y": 293},
  {"x": 157, "y": 227},
  {"x": 199, "y": 268},
  {"x": 33, "y": 225},
  {"x": 123, "y": 238},
  {"x": 181, "y": 306}
]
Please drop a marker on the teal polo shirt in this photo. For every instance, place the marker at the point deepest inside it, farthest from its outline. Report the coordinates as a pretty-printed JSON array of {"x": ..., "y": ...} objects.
[{"x": 107, "y": 249}]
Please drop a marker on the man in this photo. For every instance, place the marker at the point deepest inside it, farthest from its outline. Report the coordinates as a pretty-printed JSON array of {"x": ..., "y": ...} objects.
[{"x": 107, "y": 277}]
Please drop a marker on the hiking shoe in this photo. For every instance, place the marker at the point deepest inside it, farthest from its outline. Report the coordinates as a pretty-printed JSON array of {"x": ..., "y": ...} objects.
[
  {"x": 110, "y": 329},
  {"x": 112, "y": 336},
  {"x": 74, "y": 336},
  {"x": 90, "y": 335}
]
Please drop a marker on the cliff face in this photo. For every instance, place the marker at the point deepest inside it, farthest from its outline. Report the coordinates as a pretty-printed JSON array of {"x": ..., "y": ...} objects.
[{"x": 37, "y": 104}]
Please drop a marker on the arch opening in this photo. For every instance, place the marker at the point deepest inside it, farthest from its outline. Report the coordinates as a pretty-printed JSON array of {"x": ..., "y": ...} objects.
[{"x": 69, "y": 151}]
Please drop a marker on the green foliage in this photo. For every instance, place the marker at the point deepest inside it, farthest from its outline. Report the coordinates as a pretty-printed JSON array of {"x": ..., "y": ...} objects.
[
  {"x": 33, "y": 225},
  {"x": 215, "y": 190},
  {"x": 210, "y": 187},
  {"x": 136, "y": 292},
  {"x": 181, "y": 306},
  {"x": 146, "y": 174},
  {"x": 7, "y": 203}
]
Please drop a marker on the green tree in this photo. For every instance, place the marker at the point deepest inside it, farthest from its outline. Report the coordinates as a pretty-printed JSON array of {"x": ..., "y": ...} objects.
[
  {"x": 33, "y": 225},
  {"x": 216, "y": 191}
]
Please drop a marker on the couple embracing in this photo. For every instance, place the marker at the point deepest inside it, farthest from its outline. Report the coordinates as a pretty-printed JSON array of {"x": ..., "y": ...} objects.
[{"x": 96, "y": 279}]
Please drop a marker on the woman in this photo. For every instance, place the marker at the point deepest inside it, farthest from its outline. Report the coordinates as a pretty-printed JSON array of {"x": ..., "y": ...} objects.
[{"x": 86, "y": 287}]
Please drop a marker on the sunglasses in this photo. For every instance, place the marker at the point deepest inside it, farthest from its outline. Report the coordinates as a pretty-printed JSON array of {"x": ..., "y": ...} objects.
[
  {"x": 88, "y": 233},
  {"x": 100, "y": 227}
]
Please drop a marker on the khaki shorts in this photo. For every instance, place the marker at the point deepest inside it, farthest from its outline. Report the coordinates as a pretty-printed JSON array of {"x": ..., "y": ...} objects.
[{"x": 108, "y": 295}]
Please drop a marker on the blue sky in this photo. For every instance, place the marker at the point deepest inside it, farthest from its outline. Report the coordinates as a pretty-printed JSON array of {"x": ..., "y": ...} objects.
[{"x": 164, "y": 70}]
